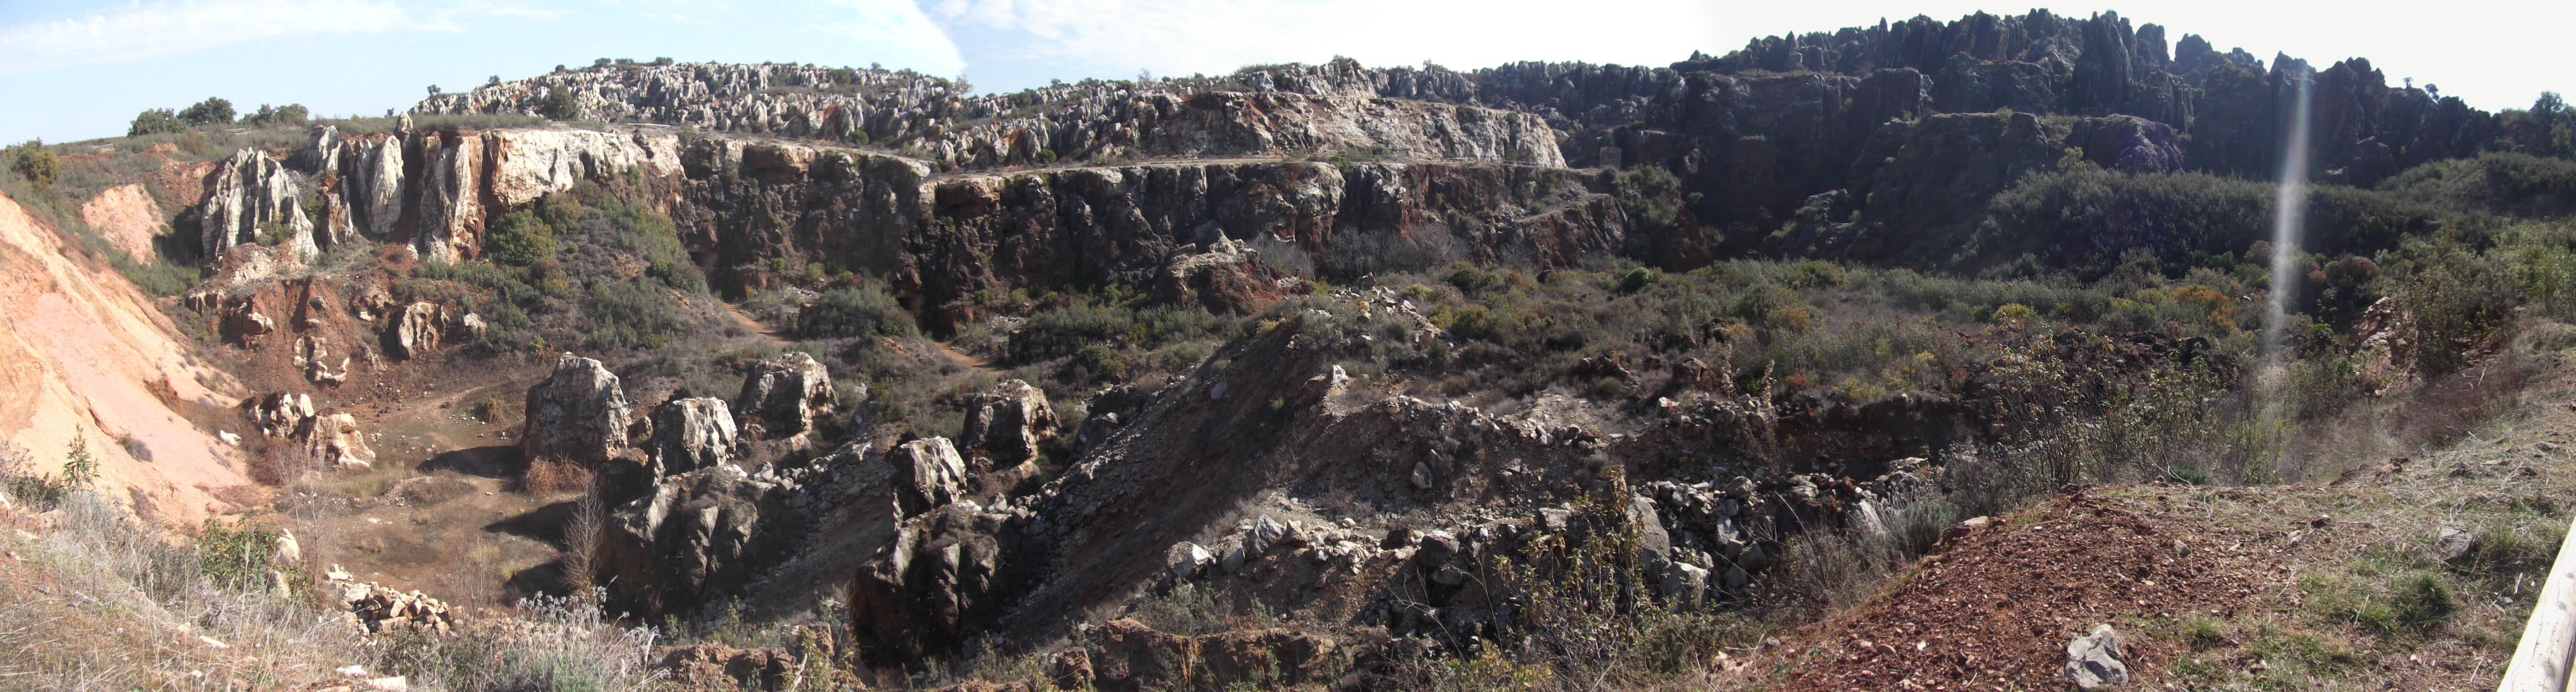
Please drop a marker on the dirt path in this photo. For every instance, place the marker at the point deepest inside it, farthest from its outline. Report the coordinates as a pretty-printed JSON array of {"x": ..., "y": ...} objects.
[
  {"x": 963, "y": 359},
  {"x": 765, "y": 332}
]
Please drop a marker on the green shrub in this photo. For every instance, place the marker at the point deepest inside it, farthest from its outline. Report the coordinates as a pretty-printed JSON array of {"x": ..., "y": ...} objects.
[
  {"x": 520, "y": 239},
  {"x": 212, "y": 111},
  {"x": 866, "y": 310},
  {"x": 34, "y": 162},
  {"x": 155, "y": 121},
  {"x": 237, "y": 557}
]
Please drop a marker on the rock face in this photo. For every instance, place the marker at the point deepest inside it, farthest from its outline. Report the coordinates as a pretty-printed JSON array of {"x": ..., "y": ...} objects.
[
  {"x": 691, "y": 434},
  {"x": 784, "y": 396},
  {"x": 698, "y": 531},
  {"x": 1227, "y": 278},
  {"x": 577, "y": 414},
  {"x": 253, "y": 199},
  {"x": 1007, "y": 423}
]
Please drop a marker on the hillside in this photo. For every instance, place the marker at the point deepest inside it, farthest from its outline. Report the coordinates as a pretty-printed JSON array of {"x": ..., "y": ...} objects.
[{"x": 1892, "y": 358}]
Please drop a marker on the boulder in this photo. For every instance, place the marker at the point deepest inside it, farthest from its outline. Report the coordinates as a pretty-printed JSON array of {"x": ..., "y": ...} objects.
[
  {"x": 243, "y": 323},
  {"x": 936, "y": 584},
  {"x": 783, "y": 397},
  {"x": 928, "y": 473},
  {"x": 1008, "y": 422},
  {"x": 1187, "y": 560},
  {"x": 579, "y": 413},
  {"x": 2093, "y": 661},
  {"x": 2454, "y": 545},
  {"x": 691, "y": 434},
  {"x": 695, "y": 533}
]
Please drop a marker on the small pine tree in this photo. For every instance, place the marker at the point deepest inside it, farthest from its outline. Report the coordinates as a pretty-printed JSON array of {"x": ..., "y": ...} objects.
[{"x": 80, "y": 469}]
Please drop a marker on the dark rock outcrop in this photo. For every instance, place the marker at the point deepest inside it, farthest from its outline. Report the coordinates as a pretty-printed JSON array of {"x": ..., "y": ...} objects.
[
  {"x": 1008, "y": 423},
  {"x": 783, "y": 397},
  {"x": 695, "y": 534}
]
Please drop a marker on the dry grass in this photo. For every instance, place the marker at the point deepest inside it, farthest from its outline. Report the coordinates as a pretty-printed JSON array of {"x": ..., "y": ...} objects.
[
  {"x": 96, "y": 603},
  {"x": 548, "y": 478}
]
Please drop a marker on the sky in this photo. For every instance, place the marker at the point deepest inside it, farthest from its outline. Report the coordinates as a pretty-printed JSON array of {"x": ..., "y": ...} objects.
[{"x": 72, "y": 70}]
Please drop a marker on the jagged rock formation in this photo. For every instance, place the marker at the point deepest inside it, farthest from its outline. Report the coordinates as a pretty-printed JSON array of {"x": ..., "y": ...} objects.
[
  {"x": 578, "y": 414},
  {"x": 416, "y": 330},
  {"x": 691, "y": 434},
  {"x": 1007, "y": 424},
  {"x": 251, "y": 200},
  {"x": 1090, "y": 120},
  {"x": 784, "y": 396},
  {"x": 333, "y": 440},
  {"x": 337, "y": 442}
]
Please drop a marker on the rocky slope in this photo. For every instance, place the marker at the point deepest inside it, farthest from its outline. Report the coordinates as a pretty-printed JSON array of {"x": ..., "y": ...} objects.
[{"x": 90, "y": 357}]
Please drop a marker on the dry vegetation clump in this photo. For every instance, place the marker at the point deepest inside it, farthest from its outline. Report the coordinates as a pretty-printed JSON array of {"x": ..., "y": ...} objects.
[{"x": 552, "y": 477}]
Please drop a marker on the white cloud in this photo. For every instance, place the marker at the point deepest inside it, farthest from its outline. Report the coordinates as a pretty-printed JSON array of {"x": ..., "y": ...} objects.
[
  {"x": 895, "y": 28},
  {"x": 161, "y": 29}
]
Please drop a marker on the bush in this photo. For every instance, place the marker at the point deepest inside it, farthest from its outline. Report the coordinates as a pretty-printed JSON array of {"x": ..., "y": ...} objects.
[
  {"x": 237, "y": 557},
  {"x": 34, "y": 162},
  {"x": 212, "y": 111},
  {"x": 291, "y": 114},
  {"x": 155, "y": 121},
  {"x": 520, "y": 239},
  {"x": 866, "y": 310},
  {"x": 560, "y": 104}
]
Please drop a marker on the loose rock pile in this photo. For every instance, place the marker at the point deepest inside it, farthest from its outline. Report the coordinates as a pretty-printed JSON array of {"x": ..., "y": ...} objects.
[{"x": 375, "y": 609}]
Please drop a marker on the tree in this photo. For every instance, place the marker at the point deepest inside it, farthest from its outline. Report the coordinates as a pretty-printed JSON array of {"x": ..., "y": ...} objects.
[
  {"x": 34, "y": 162},
  {"x": 1144, "y": 76},
  {"x": 560, "y": 105},
  {"x": 433, "y": 90},
  {"x": 665, "y": 62},
  {"x": 212, "y": 111},
  {"x": 601, "y": 63},
  {"x": 155, "y": 121},
  {"x": 492, "y": 81}
]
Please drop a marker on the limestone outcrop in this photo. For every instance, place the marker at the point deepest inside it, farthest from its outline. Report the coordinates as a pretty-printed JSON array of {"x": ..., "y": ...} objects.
[
  {"x": 254, "y": 200},
  {"x": 1008, "y": 423},
  {"x": 784, "y": 397},
  {"x": 578, "y": 414},
  {"x": 332, "y": 440},
  {"x": 927, "y": 474},
  {"x": 1228, "y": 117},
  {"x": 691, "y": 434}
]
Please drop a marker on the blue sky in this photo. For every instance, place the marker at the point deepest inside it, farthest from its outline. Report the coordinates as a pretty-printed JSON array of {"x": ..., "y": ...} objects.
[{"x": 77, "y": 70}]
